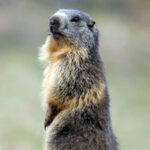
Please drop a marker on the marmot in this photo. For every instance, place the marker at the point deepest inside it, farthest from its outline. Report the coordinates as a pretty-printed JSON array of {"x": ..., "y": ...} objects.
[{"x": 75, "y": 89}]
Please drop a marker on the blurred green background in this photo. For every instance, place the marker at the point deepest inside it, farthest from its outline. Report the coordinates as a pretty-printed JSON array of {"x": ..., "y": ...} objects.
[{"x": 125, "y": 48}]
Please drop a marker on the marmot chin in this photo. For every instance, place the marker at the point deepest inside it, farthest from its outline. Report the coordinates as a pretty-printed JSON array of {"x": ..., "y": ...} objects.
[{"x": 74, "y": 88}]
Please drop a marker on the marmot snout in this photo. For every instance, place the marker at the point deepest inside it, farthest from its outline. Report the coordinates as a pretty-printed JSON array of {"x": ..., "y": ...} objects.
[
  {"x": 74, "y": 89},
  {"x": 54, "y": 24}
]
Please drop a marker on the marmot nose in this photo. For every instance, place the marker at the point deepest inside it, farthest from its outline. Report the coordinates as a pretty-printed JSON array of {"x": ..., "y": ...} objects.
[{"x": 54, "y": 24}]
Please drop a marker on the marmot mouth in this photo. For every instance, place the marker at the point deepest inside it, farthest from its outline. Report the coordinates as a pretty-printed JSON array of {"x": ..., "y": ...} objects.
[{"x": 57, "y": 34}]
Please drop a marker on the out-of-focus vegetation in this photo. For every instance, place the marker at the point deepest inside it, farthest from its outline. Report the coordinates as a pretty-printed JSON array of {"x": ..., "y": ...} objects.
[{"x": 125, "y": 47}]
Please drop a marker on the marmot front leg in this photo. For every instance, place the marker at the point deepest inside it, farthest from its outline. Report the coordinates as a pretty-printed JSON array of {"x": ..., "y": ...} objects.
[{"x": 51, "y": 112}]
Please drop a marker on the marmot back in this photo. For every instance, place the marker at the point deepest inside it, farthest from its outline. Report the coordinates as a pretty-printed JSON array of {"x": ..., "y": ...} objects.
[{"x": 74, "y": 89}]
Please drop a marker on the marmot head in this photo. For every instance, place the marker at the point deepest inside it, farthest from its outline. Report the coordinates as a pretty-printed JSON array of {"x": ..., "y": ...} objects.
[
  {"x": 70, "y": 31},
  {"x": 76, "y": 26}
]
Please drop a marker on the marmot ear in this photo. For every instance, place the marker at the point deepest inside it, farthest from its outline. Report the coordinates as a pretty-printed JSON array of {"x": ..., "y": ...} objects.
[{"x": 91, "y": 23}]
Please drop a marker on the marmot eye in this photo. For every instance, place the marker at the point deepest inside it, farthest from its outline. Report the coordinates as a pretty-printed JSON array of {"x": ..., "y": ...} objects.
[{"x": 75, "y": 19}]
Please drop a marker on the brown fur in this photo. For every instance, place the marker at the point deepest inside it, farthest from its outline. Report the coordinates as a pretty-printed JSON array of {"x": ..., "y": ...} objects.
[
  {"x": 75, "y": 93},
  {"x": 54, "y": 50}
]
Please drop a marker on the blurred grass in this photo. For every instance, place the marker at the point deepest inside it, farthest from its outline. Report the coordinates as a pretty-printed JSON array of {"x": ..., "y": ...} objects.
[
  {"x": 21, "y": 113},
  {"x": 22, "y": 117},
  {"x": 125, "y": 35}
]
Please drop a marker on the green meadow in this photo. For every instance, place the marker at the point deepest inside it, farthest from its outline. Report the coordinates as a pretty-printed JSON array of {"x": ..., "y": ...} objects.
[{"x": 125, "y": 49}]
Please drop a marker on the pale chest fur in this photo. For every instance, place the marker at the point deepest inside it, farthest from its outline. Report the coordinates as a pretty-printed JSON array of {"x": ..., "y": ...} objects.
[{"x": 49, "y": 81}]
